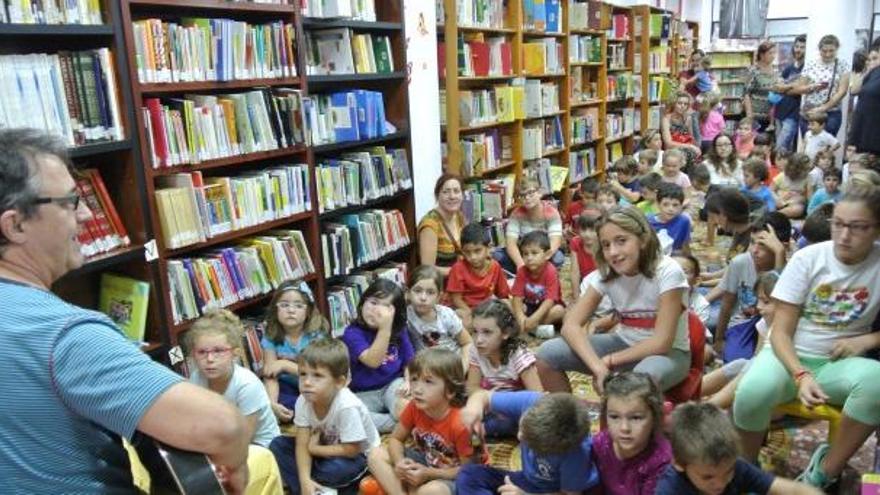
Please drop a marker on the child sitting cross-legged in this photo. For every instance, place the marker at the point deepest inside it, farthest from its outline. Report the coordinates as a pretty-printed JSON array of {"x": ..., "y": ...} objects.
[
  {"x": 431, "y": 324},
  {"x": 441, "y": 442},
  {"x": 536, "y": 292},
  {"x": 650, "y": 184},
  {"x": 475, "y": 277},
  {"x": 669, "y": 218},
  {"x": 555, "y": 445},
  {"x": 706, "y": 459},
  {"x": 334, "y": 431},
  {"x": 754, "y": 178},
  {"x": 625, "y": 179},
  {"x": 829, "y": 193}
]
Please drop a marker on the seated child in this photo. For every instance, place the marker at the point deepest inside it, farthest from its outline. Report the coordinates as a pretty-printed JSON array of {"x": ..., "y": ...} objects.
[
  {"x": 625, "y": 180},
  {"x": 647, "y": 159},
  {"x": 821, "y": 162},
  {"x": 791, "y": 187},
  {"x": 334, "y": 431},
  {"x": 754, "y": 178},
  {"x": 696, "y": 301},
  {"x": 631, "y": 452},
  {"x": 214, "y": 340},
  {"x": 607, "y": 198},
  {"x": 379, "y": 350},
  {"x": 475, "y": 277},
  {"x": 536, "y": 293},
  {"x": 763, "y": 149},
  {"x": 701, "y": 179},
  {"x": 677, "y": 225},
  {"x": 816, "y": 138},
  {"x": 652, "y": 140},
  {"x": 439, "y": 442},
  {"x": 851, "y": 154},
  {"x": 582, "y": 248},
  {"x": 711, "y": 113},
  {"x": 650, "y": 183},
  {"x": 673, "y": 160},
  {"x": 585, "y": 200},
  {"x": 532, "y": 214},
  {"x": 744, "y": 138},
  {"x": 555, "y": 445},
  {"x": 499, "y": 360},
  {"x": 829, "y": 193},
  {"x": 706, "y": 458},
  {"x": 816, "y": 227},
  {"x": 431, "y": 324}
]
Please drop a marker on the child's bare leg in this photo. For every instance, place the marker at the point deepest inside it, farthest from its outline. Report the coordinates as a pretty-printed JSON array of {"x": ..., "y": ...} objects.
[
  {"x": 555, "y": 315},
  {"x": 380, "y": 465},
  {"x": 713, "y": 382}
]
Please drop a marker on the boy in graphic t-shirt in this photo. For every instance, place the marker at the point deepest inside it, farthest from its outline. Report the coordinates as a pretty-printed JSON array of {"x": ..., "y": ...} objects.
[{"x": 536, "y": 293}]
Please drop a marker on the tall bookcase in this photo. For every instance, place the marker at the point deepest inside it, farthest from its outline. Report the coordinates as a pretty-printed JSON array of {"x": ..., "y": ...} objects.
[
  {"x": 655, "y": 63},
  {"x": 685, "y": 39},
  {"x": 729, "y": 68},
  {"x": 624, "y": 102}
]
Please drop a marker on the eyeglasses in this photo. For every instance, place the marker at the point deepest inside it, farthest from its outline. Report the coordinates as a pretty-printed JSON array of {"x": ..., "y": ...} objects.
[
  {"x": 292, "y": 305},
  {"x": 855, "y": 228},
  {"x": 202, "y": 354},
  {"x": 66, "y": 201}
]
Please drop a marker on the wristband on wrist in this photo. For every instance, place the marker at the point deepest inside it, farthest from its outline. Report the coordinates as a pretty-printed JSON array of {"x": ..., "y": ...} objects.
[{"x": 801, "y": 374}]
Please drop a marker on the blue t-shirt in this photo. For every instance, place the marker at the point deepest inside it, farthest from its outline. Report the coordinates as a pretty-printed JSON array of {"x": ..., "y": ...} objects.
[
  {"x": 821, "y": 197},
  {"x": 397, "y": 357},
  {"x": 747, "y": 478},
  {"x": 704, "y": 81},
  {"x": 290, "y": 352},
  {"x": 72, "y": 385},
  {"x": 790, "y": 105},
  {"x": 678, "y": 229},
  {"x": 572, "y": 471},
  {"x": 764, "y": 195}
]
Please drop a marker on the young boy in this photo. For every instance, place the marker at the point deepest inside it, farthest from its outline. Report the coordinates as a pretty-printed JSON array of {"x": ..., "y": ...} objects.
[
  {"x": 650, "y": 183},
  {"x": 848, "y": 155},
  {"x": 532, "y": 214},
  {"x": 581, "y": 248},
  {"x": 673, "y": 160},
  {"x": 555, "y": 445},
  {"x": 607, "y": 198},
  {"x": 755, "y": 178},
  {"x": 817, "y": 138},
  {"x": 536, "y": 294},
  {"x": 763, "y": 150},
  {"x": 738, "y": 302},
  {"x": 334, "y": 431},
  {"x": 702, "y": 181},
  {"x": 476, "y": 277},
  {"x": 829, "y": 193},
  {"x": 586, "y": 203},
  {"x": 626, "y": 182},
  {"x": 706, "y": 459},
  {"x": 704, "y": 78},
  {"x": 670, "y": 199},
  {"x": 647, "y": 161}
]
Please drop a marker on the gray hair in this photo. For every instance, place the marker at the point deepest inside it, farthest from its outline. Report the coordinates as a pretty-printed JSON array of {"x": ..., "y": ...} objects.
[{"x": 19, "y": 177}]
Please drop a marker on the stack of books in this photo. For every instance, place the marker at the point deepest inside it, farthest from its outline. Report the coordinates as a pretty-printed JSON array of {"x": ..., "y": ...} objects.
[
  {"x": 362, "y": 10},
  {"x": 359, "y": 177},
  {"x": 358, "y": 238},
  {"x": 342, "y": 51},
  {"x": 104, "y": 230},
  {"x": 51, "y": 12}
]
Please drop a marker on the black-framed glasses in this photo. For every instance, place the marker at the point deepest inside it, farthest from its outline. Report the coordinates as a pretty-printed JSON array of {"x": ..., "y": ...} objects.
[{"x": 65, "y": 201}]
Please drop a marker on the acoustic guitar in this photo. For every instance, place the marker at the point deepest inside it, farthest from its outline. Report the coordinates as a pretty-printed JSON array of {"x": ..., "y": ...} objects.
[{"x": 174, "y": 471}]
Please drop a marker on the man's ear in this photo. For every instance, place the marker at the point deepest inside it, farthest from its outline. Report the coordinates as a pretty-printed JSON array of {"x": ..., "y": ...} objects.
[{"x": 10, "y": 226}]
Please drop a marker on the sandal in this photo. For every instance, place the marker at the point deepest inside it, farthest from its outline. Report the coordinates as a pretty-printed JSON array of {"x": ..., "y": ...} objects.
[{"x": 813, "y": 474}]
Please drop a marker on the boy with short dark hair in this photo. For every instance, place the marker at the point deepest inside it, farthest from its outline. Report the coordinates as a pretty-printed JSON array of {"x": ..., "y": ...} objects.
[
  {"x": 582, "y": 247},
  {"x": 830, "y": 192},
  {"x": 647, "y": 160},
  {"x": 555, "y": 444},
  {"x": 706, "y": 458},
  {"x": 755, "y": 175},
  {"x": 650, "y": 183},
  {"x": 537, "y": 296},
  {"x": 331, "y": 413},
  {"x": 476, "y": 276},
  {"x": 670, "y": 202},
  {"x": 625, "y": 179},
  {"x": 607, "y": 197},
  {"x": 816, "y": 138},
  {"x": 701, "y": 179}
]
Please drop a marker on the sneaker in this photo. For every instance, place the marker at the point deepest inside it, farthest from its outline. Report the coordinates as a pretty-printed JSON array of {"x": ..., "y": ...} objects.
[
  {"x": 545, "y": 332},
  {"x": 813, "y": 475}
]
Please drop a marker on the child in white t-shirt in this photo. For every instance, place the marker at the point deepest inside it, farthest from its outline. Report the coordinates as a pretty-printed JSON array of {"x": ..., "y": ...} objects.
[{"x": 431, "y": 324}]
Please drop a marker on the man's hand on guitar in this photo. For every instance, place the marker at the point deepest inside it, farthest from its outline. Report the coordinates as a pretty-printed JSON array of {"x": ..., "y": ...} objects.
[{"x": 234, "y": 480}]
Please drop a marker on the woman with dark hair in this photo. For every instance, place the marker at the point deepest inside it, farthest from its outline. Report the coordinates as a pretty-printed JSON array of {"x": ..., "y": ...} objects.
[
  {"x": 724, "y": 166},
  {"x": 824, "y": 83},
  {"x": 440, "y": 229},
  {"x": 761, "y": 79},
  {"x": 687, "y": 78},
  {"x": 866, "y": 117}
]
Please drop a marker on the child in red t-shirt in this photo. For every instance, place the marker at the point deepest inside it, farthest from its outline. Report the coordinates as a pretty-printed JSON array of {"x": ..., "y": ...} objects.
[
  {"x": 536, "y": 294},
  {"x": 581, "y": 247},
  {"x": 476, "y": 277},
  {"x": 441, "y": 443},
  {"x": 584, "y": 199}
]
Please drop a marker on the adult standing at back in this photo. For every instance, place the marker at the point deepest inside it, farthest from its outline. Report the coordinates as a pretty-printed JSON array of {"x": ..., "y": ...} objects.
[
  {"x": 788, "y": 108},
  {"x": 440, "y": 229},
  {"x": 824, "y": 82},
  {"x": 761, "y": 79},
  {"x": 73, "y": 384},
  {"x": 866, "y": 117},
  {"x": 688, "y": 78}
]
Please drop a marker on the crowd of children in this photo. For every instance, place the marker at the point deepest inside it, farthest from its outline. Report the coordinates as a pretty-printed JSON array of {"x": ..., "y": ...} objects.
[{"x": 443, "y": 364}]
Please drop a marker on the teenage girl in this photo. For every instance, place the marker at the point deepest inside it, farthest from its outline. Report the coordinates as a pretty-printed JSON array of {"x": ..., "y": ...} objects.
[{"x": 293, "y": 323}]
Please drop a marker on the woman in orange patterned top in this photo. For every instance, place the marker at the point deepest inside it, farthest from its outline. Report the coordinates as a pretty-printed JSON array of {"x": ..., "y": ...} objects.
[{"x": 440, "y": 228}]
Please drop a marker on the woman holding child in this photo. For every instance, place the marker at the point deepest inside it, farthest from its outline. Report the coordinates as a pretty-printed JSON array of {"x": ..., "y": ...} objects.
[
  {"x": 440, "y": 228},
  {"x": 826, "y": 302},
  {"x": 761, "y": 79}
]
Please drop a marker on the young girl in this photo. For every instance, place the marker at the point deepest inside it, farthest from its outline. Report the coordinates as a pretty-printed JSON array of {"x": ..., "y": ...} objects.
[
  {"x": 791, "y": 187},
  {"x": 293, "y": 323},
  {"x": 441, "y": 443},
  {"x": 431, "y": 324},
  {"x": 719, "y": 385},
  {"x": 744, "y": 140},
  {"x": 499, "y": 360},
  {"x": 652, "y": 139},
  {"x": 631, "y": 452},
  {"x": 646, "y": 289},
  {"x": 379, "y": 350},
  {"x": 711, "y": 120},
  {"x": 213, "y": 342}
]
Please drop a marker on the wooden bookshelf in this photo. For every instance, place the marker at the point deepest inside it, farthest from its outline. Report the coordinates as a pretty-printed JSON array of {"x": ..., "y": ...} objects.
[
  {"x": 646, "y": 41},
  {"x": 731, "y": 79},
  {"x": 621, "y": 106}
]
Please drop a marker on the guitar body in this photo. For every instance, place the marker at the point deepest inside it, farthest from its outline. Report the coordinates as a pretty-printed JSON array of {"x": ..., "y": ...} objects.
[{"x": 174, "y": 471}]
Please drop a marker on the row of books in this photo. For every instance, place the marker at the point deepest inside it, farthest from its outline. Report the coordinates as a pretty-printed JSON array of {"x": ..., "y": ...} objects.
[
  {"x": 363, "y": 10},
  {"x": 193, "y": 208},
  {"x": 616, "y": 58},
  {"x": 203, "y": 49},
  {"x": 343, "y": 298},
  {"x": 485, "y": 152},
  {"x": 619, "y": 124},
  {"x": 479, "y": 56},
  {"x": 614, "y": 152},
  {"x": 104, "y": 230},
  {"x": 551, "y": 177},
  {"x": 359, "y": 238},
  {"x": 732, "y": 90},
  {"x": 224, "y": 276},
  {"x": 660, "y": 88},
  {"x": 482, "y": 106},
  {"x": 731, "y": 59},
  {"x": 659, "y": 60},
  {"x": 342, "y": 51},
  {"x": 582, "y": 85},
  {"x": 476, "y": 13},
  {"x": 69, "y": 94},
  {"x": 584, "y": 15},
  {"x": 581, "y": 164},
  {"x": 620, "y": 27},
  {"x": 51, "y": 11},
  {"x": 736, "y": 75},
  {"x": 584, "y": 128},
  {"x": 543, "y": 56},
  {"x": 540, "y": 98},
  {"x": 362, "y": 176},
  {"x": 487, "y": 199},
  {"x": 622, "y": 85},
  {"x": 542, "y": 15},
  {"x": 350, "y": 115},
  {"x": 542, "y": 137},
  {"x": 585, "y": 48},
  {"x": 659, "y": 25}
]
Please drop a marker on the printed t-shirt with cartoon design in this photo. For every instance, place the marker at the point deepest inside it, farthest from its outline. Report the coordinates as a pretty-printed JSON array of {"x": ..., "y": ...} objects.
[{"x": 443, "y": 442}]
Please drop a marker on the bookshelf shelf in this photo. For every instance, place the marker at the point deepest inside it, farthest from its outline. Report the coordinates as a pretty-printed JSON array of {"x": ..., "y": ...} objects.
[
  {"x": 322, "y": 23},
  {"x": 57, "y": 30},
  {"x": 487, "y": 125},
  {"x": 465, "y": 79},
  {"x": 542, "y": 34},
  {"x": 504, "y": 166},
  {"x": 235, "y": 234},
  {"x": 595, "y": 32},
  {"x": 583, "y": 144},
  {"x": 106, "y": 260},
  {"x": 369, "y": 204},
  {"x": 617, "y": 138},
  {"x": 335, "y": 279},
  {"x": 185, "y": 87},
  {"x": 347, "y": 145},
  {"x": 552, "y": 151},
  {"x": 478, "y": 29},
  {"x": 354, "y": 78},
  {"x": 586, "y": 64},
  {"x": 619, "y": 69},
  {"x": 92, "y": 149},
  {"x": 227, "y": 161},
  {"x": 585, "y": 103},
  {"x": 218, "y": 5},
  {"x": 545, "y": 116}
]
